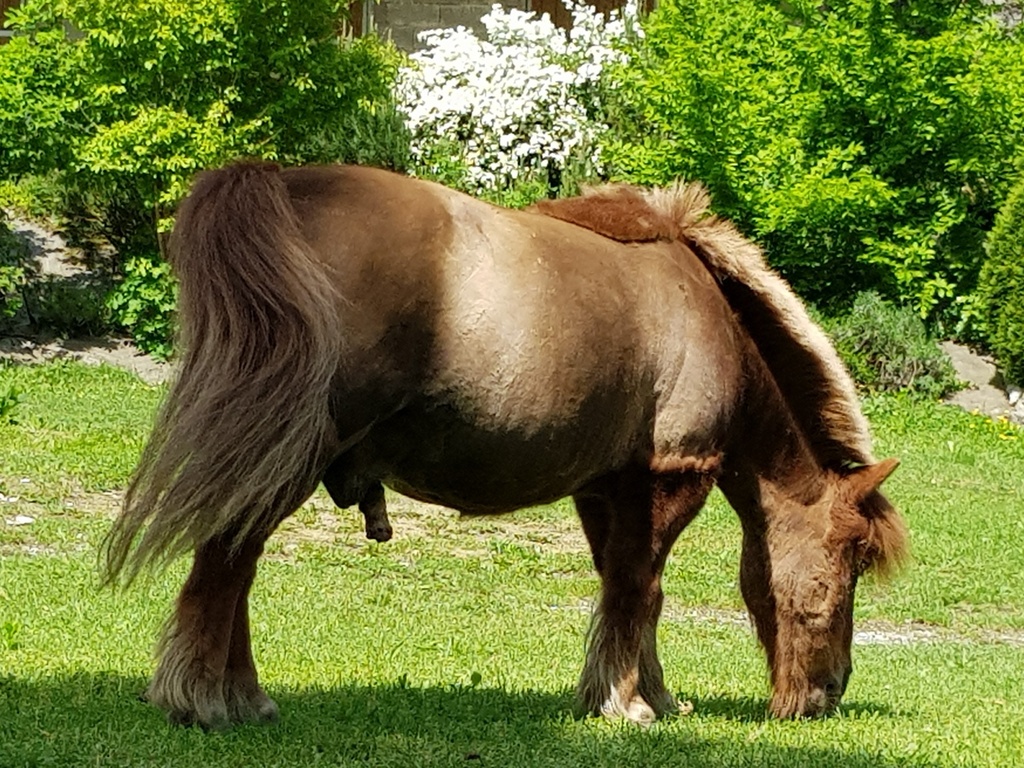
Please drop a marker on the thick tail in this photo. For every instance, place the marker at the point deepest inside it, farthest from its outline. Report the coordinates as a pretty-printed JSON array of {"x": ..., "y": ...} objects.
[{"x": 240, "y": 440}]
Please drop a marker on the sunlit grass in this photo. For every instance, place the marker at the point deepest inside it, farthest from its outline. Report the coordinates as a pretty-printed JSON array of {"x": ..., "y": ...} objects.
[{"x": 460, "y": 640}]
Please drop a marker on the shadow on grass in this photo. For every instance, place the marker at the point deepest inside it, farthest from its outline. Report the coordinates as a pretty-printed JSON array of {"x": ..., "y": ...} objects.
[
  {"x": 750, "y": 710},
  {"x": 99, "y": 720}
]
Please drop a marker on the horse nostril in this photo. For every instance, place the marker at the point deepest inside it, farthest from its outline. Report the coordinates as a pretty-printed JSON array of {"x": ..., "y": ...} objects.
[{"x": 836, "y": 687}]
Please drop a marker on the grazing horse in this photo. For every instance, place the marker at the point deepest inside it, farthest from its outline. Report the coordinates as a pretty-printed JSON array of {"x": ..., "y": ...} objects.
[{"x": 354, "y": 327}]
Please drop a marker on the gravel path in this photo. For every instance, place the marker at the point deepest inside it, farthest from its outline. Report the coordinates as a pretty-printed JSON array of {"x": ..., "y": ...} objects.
[{"x": 120, "y": 353}]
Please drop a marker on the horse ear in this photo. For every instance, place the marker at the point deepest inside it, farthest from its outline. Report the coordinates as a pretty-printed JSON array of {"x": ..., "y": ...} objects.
[{"x": 867, "y": 479}]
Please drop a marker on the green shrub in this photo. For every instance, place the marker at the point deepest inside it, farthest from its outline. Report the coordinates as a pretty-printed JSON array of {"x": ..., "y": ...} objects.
[
  {"x": 888, "y": 349},
  {"x": 13, "y": 274},
  {"x": 866, "y": 144},
  {"x": 10, "y": 399},
  {"x": 144, "y": 303},
  {"x": 379, "y": 138},
  {"x": 36, "y": 196},
  {"x": 152, "y": 91},
  {"x": 68, "y": 306},
  {"x": 1001, "y": 287}
]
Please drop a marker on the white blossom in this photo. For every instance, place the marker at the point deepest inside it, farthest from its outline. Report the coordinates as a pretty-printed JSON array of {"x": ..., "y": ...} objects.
[{"x": 524, "y": 97}]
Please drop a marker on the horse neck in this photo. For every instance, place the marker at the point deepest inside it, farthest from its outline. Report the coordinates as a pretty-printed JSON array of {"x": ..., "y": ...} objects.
[
  {"x": 772, "y": 478},
  {"x": 770, "y": 468}
]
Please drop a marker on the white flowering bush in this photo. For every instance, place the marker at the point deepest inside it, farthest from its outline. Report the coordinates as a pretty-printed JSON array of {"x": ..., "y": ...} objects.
[{"x": 526, "y": 98}]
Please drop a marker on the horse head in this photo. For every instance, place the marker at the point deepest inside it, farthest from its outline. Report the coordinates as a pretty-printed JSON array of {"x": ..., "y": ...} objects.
[{"x": 801, "y": 591}]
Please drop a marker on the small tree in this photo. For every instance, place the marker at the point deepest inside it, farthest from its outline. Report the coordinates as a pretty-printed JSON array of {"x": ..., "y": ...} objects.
[
  {"x": 129, "y": 100},
  {"x": 1001, "y": 286}
]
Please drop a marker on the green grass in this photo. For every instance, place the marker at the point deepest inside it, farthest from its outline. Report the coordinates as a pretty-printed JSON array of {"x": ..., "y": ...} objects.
[{"x": 461, "y": 639}]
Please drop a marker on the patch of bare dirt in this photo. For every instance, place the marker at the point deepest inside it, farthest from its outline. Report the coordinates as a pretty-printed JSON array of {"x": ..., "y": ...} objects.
[
  {"x": 48, "y": 249},
  {"x": 320, "y": 522},
  {"x": 120, "y": 353}
]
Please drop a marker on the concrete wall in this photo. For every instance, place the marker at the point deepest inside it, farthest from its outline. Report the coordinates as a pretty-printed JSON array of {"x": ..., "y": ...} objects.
[
  {"x": 4, "y": 5},
  {"x": 402, "y": 20}
]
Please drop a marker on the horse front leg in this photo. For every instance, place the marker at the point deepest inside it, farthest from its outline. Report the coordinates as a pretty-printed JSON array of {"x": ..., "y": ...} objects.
[
  {"x": 619, "y": 527},
  {"x": 205, "y": 674},
  {"x": 609, "y": 683},
  {"x": 677, "y": 498},
  {"x": 631, "y": 531}
]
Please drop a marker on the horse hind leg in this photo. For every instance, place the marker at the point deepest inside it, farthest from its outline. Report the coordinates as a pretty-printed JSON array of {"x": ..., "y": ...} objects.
[
  {"x": 193, "y": 652},
  {"x": 206, "y": 674},
  {"x": 245, "y": 699}
]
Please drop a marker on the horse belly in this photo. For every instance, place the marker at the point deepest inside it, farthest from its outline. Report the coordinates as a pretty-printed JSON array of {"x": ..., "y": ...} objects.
[{"x": 467, "y": 462}]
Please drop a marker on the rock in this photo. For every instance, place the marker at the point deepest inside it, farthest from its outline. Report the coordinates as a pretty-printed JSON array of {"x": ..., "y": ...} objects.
[{"x": 987, "y": 393}]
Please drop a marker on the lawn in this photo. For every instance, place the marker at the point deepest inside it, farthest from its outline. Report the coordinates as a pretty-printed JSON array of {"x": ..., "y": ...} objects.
[{"x": 459, "y": 641}]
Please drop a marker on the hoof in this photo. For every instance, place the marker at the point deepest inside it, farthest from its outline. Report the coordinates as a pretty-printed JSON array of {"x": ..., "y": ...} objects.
[
  {"x": 249, "y": 704},
  {"x": 207, "y": 718},
  {"x": 379, "y": 533},
  {"x": 183, "y": 719},
  {"x": 200, "y": 704},
  {"x": 636, "y": 711},
  {"x": 640, "y": 712}
]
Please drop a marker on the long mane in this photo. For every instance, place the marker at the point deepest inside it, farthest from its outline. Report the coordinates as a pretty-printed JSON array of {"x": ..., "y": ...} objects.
[{"x": 809, "y": 373}]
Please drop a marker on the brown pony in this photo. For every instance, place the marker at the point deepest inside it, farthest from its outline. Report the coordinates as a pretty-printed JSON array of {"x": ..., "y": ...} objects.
[{"x": 359, "y": 328}]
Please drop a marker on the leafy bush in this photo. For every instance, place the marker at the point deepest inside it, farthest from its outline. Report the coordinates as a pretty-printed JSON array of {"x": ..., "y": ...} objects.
[
  {"x": 128, "y": 101},
  {"x": 377, "y": 137},
  {"x": 68, "y": 306},
  {"x": 37, "y": 196},
  {"x": 888, "y": 349},
  {"x": 1001, "y": 287},
  {"x": 525, "y": 102},
  {"x": 144, "y": 303},
  {"x": 159, "y": 89},
  {"x": 10, "y": 399},
  {"x": 13, "y": 274},
  {"x": 866, "y": 144}
]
